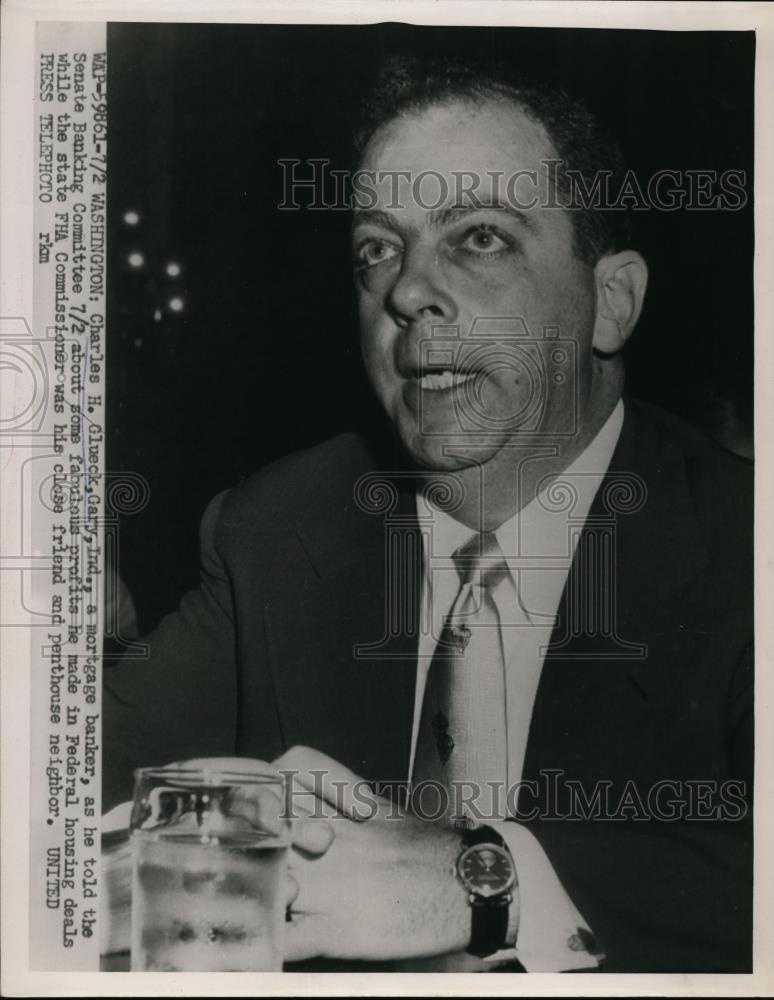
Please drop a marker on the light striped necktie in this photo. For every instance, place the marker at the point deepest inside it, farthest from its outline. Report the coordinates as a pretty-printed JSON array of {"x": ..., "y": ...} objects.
[{"x": 462, "y": 743}]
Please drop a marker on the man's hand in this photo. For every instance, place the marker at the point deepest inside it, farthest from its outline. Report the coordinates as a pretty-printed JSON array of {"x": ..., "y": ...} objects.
[
  {"x": 312, "y": 839},
  {"x": 384, "y": 889},
  {"x": 364, "y": 881}
]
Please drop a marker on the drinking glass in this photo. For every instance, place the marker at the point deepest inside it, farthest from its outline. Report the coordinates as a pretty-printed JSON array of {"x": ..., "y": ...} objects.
[{"x": 209, "y": 855}]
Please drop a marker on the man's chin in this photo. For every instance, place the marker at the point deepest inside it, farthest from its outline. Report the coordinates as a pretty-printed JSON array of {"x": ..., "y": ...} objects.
[{"x": 447, "y": 452}]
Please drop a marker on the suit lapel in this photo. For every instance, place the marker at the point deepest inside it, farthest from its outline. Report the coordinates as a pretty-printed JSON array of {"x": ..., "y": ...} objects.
[
  {"x": 344, "y": 648},
  {"x": 605, "y": 673},
  {"x": 639, "y": 546}
]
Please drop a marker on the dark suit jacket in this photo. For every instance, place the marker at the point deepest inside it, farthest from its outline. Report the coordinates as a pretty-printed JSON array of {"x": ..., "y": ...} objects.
[{"x": 296, "y": 576}]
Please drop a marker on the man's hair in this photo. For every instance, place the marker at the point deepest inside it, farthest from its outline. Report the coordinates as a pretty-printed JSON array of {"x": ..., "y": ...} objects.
[{"x": 403, "y": 85}]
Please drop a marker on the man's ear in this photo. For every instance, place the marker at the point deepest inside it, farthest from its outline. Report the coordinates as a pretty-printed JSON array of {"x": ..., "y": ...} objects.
[{"x": 621, "y": 280}]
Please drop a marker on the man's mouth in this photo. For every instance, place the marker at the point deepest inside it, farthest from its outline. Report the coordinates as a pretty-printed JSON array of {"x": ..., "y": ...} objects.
[{"x": 443, "y": 380}]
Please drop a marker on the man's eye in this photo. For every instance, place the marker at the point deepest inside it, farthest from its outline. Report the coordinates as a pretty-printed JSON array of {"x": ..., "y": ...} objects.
[
  {"x": 374, "y": 252},
  {"x": 484, "y": 241}
]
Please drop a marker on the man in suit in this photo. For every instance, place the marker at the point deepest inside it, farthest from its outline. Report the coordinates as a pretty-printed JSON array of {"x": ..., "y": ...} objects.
[{"x": 540, "y": 589}]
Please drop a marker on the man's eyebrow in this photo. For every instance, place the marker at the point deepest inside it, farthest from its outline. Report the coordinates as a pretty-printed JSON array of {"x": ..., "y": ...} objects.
[
  {"x": 454, "y": 213},
  {"x": 441, "y": 217},
  {"x": 362, "y": 216}
]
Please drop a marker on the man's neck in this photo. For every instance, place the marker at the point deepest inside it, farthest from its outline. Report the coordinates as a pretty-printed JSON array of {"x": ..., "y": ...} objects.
[{"x": 498, "y": 489}]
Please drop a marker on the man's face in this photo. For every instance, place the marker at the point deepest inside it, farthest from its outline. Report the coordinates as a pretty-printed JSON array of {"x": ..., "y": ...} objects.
[{"x": 461, "y": 304}]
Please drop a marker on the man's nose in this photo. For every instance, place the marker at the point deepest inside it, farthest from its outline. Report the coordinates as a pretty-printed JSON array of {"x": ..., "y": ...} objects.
[{"x": 420, "y": 291}]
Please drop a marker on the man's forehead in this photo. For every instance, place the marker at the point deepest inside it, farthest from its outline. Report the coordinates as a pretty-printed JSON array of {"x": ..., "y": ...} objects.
[
  {"x": 455, "y": 152},
  {"x": 457, "y": 135}
]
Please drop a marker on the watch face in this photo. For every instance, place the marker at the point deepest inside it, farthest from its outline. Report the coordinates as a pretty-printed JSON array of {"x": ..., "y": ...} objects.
[{"x": 486, "y": 870}]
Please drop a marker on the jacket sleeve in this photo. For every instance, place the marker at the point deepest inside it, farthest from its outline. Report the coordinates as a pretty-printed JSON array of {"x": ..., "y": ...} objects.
[{"x": 177, "y": 699}]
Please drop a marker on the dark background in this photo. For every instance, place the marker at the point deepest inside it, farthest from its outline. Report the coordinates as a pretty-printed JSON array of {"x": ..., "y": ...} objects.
[{"x": 263, "y": 357}]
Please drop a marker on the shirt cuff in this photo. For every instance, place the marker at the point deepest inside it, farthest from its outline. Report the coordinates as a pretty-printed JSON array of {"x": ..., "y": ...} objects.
[{"x": 552, "y": 936}]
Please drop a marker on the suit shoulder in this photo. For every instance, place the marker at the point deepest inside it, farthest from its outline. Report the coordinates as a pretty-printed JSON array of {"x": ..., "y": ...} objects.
[
  {"x": 704, "y": 457},
  {"x": 720, "y": 484},
  {"x": 282, "y": 493}
]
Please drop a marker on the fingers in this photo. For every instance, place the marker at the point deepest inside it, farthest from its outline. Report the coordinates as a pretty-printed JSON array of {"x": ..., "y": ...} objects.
[
  {"x": 262, "y": 806},
  {"x": 265, "y": 809},
  {"x": 310, "y": 771},
  {"x": 312, "y": 777},
  {"x": 117, "y": 819},
  {"x": 240, "y": 765},
  {"x": 312, "y": 837}
]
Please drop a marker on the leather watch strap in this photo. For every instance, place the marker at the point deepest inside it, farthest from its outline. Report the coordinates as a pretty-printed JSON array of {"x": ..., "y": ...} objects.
[
  {"x": 481, "y": 835},
  {"x": 489, "y": 917},
  {"x": 488, "y": 927}
]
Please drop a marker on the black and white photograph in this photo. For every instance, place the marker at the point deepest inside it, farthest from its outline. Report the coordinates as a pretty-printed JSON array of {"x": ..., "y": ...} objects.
[{"x": 387, "y": 525}]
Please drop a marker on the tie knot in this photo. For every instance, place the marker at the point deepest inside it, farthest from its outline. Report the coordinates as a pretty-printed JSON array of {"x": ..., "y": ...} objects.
[{"x": 481, "y": 561}]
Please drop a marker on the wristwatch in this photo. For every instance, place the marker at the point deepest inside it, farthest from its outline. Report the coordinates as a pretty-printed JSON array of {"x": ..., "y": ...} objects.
[{"x": 486, "y": 869}]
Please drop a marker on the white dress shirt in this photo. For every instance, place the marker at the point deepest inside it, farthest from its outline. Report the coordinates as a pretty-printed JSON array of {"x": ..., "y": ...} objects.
[{"x": 538, "y": 544}]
